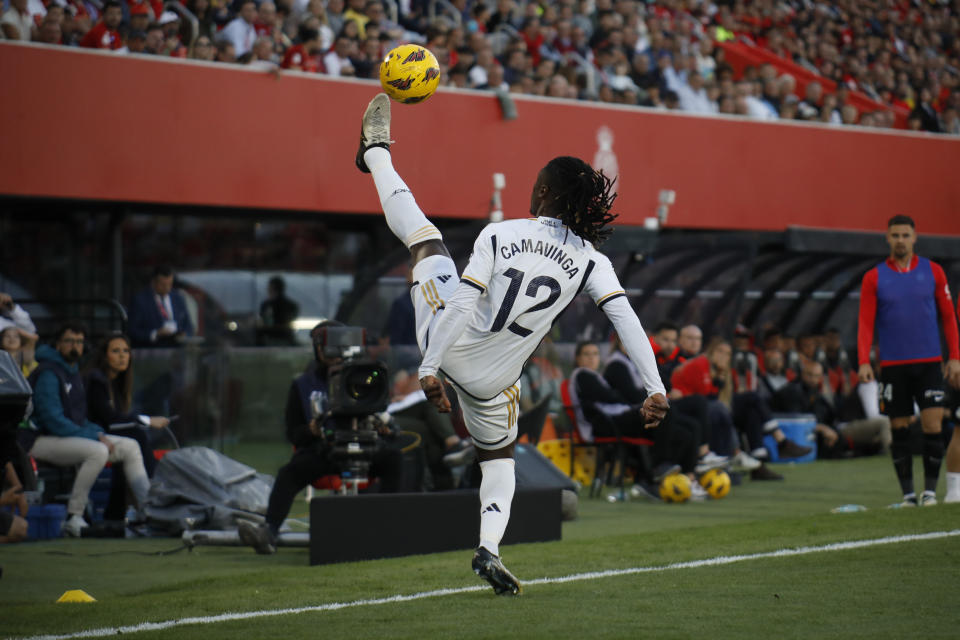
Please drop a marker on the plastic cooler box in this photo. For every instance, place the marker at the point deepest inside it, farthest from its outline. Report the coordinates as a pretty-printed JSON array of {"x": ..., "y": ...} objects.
[
  {"x": 799, "y": 428},
  {"x": 45, "y": 521}
]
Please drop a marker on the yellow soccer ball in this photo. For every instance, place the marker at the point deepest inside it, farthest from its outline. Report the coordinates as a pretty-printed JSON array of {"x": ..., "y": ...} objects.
[
  {"x": 716, "y": 482},
  {"x": 675, "y": 488},
  {"x": 410, "y": 73}
]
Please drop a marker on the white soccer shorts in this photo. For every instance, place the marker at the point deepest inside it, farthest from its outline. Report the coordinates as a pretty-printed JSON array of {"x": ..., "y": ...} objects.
[{"x": 492, "y": 423}]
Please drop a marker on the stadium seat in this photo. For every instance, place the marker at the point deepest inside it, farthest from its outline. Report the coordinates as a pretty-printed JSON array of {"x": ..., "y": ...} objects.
[{"x": 612, "y": 451}]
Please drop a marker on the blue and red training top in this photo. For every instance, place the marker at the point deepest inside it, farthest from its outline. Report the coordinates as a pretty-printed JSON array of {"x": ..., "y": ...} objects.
[{"x": 904, "y": 304}]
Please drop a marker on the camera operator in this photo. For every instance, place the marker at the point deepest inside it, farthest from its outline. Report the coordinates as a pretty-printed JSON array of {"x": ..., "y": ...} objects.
[{"x": 308, "y": 424}]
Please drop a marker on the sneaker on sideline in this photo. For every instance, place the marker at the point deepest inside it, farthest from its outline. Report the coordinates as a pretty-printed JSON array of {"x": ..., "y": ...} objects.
[
  {"x": 257, "y": 536},
  {"x": 663, "y": 470},
  {"x": 790, "y": 449},
  {"x": 763, "y": 472},
  {"x": 928, "y": 499},
  {"x": 709, "y": 461},
  {"x": 460, "y": 454},
  {"x": 74, "y": 526},
  {"x": 743, "y": 461}
]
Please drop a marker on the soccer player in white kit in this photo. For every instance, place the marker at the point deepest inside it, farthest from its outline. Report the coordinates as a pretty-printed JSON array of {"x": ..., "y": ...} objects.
[{"x": 479, "y": 328}]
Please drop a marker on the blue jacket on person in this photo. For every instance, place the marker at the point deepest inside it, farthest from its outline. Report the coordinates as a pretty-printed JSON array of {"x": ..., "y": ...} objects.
[
  {"x": 59, "y": 399},
  {"x": 145, "y": 316}
]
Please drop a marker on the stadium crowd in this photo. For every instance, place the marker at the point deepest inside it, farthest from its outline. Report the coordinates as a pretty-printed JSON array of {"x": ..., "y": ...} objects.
[{"x": 665, "y": 54}]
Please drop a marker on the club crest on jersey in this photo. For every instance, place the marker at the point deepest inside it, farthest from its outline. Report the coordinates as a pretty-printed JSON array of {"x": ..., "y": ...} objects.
[{"x": 548, "y": 250}]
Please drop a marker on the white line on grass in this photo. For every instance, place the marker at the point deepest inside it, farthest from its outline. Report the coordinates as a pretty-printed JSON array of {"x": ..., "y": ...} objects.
[{"x": 592, "y": 575}]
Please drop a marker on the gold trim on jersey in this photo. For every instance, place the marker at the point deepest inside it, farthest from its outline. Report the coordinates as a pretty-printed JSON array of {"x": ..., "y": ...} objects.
[
  {"x": 615, "y": 293},
  {"x": 482, "y": 286},
  {"x": 423, "y": 233},
  {"x": 432, "y": 296}
]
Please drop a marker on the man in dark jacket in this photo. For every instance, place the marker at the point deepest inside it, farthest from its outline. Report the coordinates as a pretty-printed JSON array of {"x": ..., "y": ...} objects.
[
  {"x": 307, "y": 422},
  {"x": 67, "y": 437}
]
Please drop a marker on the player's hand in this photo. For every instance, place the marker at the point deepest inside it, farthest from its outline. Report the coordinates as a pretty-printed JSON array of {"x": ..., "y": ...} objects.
[
  {"x": 432, "y": 386},
  {"x": 865, "y": 373},
  {"x": 952, "y": 373},
  {"x": 159, "y": 422},
  {"x": 830, "y": 436},
  {"x": 654, "y": 410},
  {"x": 314, "y": 427},
  {"x": 105, "y": 440}
]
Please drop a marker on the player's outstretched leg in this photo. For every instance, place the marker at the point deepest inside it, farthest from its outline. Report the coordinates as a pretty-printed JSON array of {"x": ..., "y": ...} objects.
[{"x": 404, "y": 217}]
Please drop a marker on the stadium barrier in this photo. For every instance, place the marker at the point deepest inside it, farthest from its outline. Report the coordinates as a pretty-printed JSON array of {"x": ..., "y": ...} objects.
[{"x": 140, "y": 130}]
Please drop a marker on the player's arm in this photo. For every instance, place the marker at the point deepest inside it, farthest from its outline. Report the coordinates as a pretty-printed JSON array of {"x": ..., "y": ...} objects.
[
  {"x": 868, "y": 315},
  {"x": 941, "y": 293},
  {"x": 604, "y": 287},
  {"x": 456, "y": 314}
]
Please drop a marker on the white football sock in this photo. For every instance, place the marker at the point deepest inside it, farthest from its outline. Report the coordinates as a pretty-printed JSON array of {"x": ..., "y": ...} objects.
[
  {"x": 496, "y": 494},
  {"x": 404, "y": 217},
  {"x": 953, "y": 484}
]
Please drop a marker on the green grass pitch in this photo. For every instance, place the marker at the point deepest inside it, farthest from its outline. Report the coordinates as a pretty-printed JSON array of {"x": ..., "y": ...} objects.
[{"x": 905, "y": 589}]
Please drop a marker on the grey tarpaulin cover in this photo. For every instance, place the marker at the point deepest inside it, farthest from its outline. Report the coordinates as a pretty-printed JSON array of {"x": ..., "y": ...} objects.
[{"x": 199, "y": 488}]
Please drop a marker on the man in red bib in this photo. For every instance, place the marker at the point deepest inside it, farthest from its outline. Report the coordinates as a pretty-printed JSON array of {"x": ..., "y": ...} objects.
[{"x": 903, "y": 297}]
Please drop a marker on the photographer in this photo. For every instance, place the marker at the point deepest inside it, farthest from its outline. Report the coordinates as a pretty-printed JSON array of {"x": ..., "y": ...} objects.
[{"x": 308, "y": 424}]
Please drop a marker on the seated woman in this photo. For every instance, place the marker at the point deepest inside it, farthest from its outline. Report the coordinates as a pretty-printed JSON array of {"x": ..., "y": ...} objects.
[{"x": 109, "y": 387}]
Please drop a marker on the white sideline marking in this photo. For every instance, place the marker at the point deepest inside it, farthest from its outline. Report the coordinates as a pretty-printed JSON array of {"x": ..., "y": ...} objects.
[{"x": 592, "y": 575}]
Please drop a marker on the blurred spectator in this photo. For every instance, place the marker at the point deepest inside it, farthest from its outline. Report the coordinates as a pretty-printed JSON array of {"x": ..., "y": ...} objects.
[
  {"x": 203, "y": 49},
  {"x": 709, "y": 375},
  {"x": 603, "y": 412},
  {"x": 12, "y": 342},
  {"x": 204, "y": 12},
  {"x": 356, "y": 13},
  {"x": 158, "y": 313},
  {"x": 951, "y": 121},
  {"x": 136, "y": 43},
  {"x": 153, "y": 41},
  {"x": 172, "y": 46},
  {"x": 104, "y": 34},
  {"x": 140, "y": 15},
  {"x": 929, "y": 121},
  {"x": 262, "y": 50},
  {"x": 689, "y": 342},
  {"x": 13, "y": 524},
  {"x": 13, "y": 315},
  {"x": 278, "y": 312},
  {"x": 67, "y": 437},
  {"x": 304, "y": 56},
  {"x": 17, "y": 23},
  {"x": 442, "y": 447},
  {"x": 225, "y": 52},
  {"x": 774, "y": 376},
  {"x": 50, "y": 31},
  {"x": 241, "y": 31},
  {"x": 337, "y": 61},
  {"x": 805, "y": 396}
]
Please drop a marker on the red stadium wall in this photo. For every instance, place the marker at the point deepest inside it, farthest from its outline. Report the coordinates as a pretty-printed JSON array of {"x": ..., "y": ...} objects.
[{"x": 86, "y": 125}]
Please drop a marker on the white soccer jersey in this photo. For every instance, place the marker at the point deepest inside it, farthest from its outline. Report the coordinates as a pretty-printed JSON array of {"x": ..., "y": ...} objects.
[{"x": 521, "y": 275}]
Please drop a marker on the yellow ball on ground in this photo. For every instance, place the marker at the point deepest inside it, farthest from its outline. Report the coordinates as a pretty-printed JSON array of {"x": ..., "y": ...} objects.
[{"x": 675, "y": 488}]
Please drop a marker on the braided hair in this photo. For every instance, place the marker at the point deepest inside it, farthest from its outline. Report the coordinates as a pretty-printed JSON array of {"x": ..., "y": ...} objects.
[{"x": 583, "y": 197}]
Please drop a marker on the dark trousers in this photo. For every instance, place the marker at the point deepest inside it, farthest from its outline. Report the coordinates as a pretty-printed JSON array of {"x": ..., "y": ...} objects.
[
  {"x": 672, "y": 441},
  {"x": 310, "y": 464}
]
